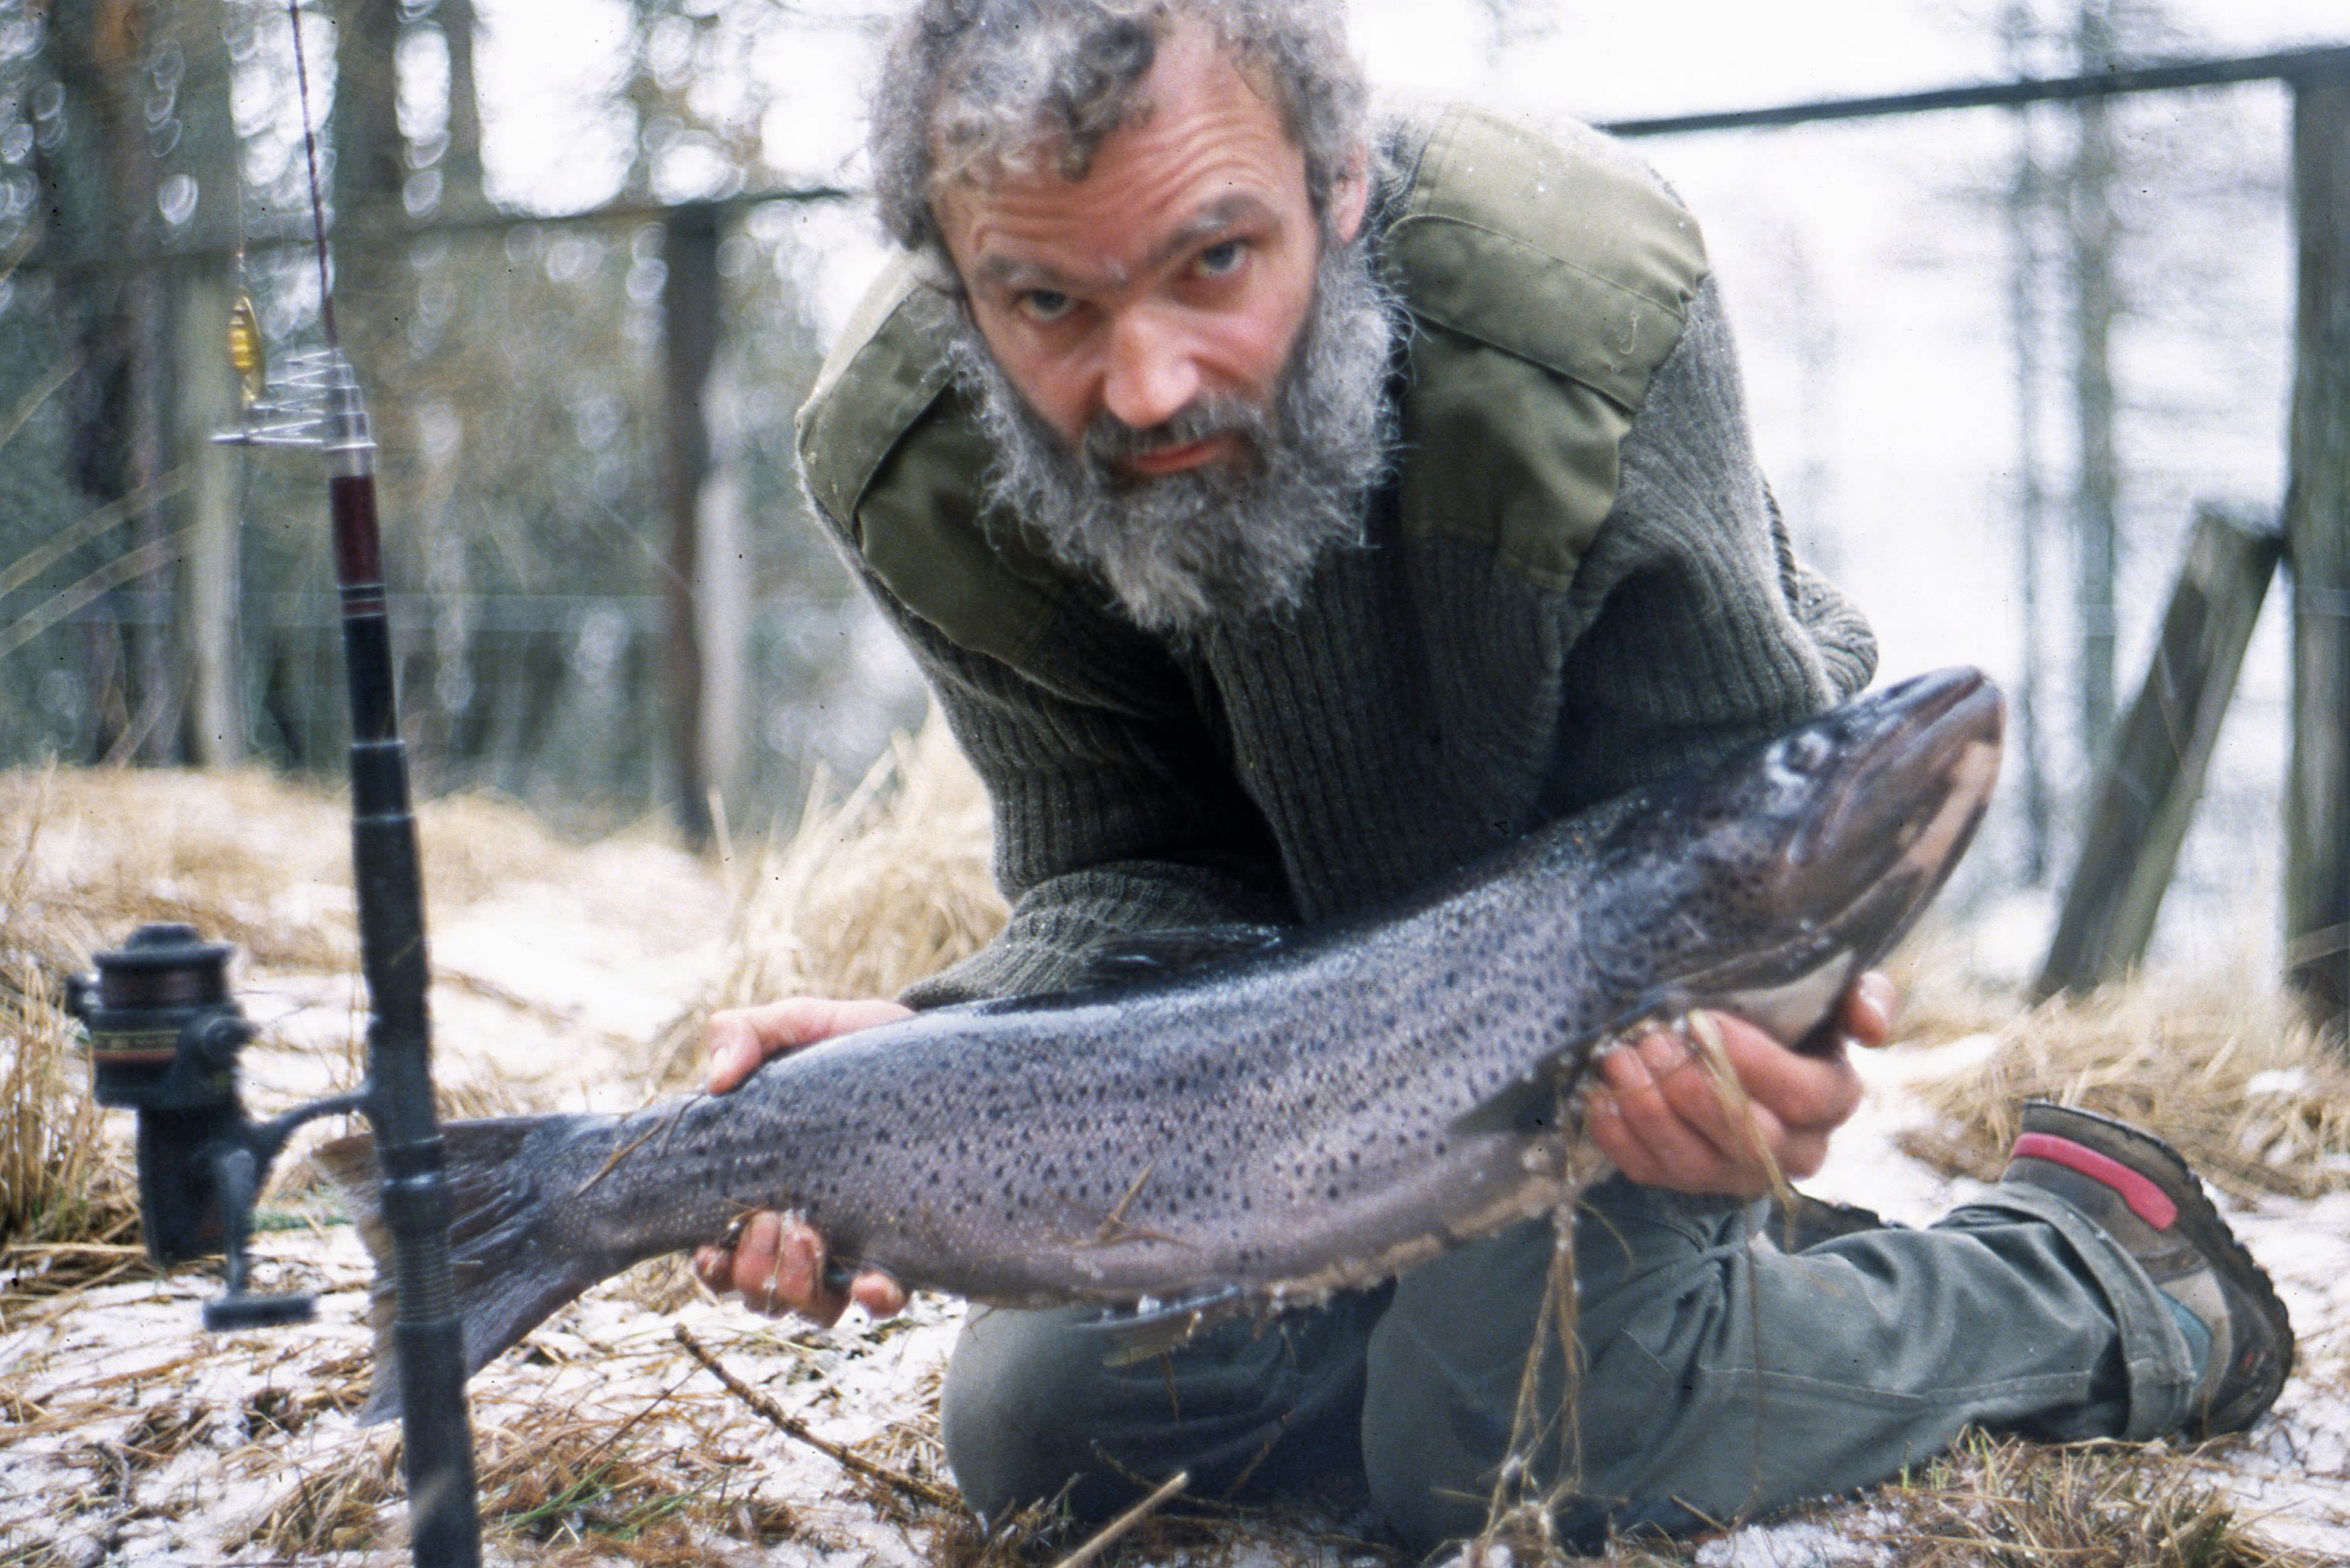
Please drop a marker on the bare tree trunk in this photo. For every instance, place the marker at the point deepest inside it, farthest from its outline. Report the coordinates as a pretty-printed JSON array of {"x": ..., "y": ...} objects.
[
  {"x": 2317, "y": 520},
  {"x": 461, "y": 165},
  {"x": 99, "y": 51},
  {"x": 2095, "y": 238},
  {"x": 370, "y": 161},
  {"x": 690, "y": 347},
  {"x": 370, "y": 170},
  {"x": 202, "y": 399},
  {"x": 2025, "y": 198},
  {"x": 212, "y": 580}
]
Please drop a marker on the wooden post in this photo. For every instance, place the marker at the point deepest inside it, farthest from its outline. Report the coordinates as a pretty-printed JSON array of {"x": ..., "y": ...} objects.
[
  {"x": 689, "y": 344},
  {"x": 211, "y": 576},
  {"x": 2154, "y": 772},
  {"x": 2317, "y": 531}
]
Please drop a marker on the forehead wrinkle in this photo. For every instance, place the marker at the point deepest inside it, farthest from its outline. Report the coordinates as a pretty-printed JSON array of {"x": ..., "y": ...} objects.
[
  {"x": 1008, "y": 272},
  {"x": 1224, "y": 212},
  {"x": 997, "y": 270}
]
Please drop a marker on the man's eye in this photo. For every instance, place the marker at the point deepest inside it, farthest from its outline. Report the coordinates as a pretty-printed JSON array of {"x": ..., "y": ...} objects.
[
  {"x": 1221, "y": 260},
  {"x": 1043, "y": 304}
]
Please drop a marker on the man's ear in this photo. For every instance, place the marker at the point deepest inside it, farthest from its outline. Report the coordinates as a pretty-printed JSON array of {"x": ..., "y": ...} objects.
[{"x": 1350, "y": 196}]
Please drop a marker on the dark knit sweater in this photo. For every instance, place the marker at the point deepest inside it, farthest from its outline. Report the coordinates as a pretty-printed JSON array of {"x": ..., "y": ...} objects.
[{"x": 1437, "y": 691}]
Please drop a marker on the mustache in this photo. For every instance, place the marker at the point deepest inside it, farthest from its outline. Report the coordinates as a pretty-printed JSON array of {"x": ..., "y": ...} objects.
[{"x": 1110, "y": 442}]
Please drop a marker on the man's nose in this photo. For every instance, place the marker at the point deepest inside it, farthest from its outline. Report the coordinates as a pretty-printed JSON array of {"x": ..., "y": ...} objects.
[{"x": 1153, "y": 373}]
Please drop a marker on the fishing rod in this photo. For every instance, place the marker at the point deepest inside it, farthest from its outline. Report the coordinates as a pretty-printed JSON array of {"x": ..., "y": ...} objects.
[{"x": 164, "y": 1030}]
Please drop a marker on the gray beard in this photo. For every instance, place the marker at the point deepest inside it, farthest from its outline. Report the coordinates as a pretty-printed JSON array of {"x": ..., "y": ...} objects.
[{"x": 1226, "y": 541}]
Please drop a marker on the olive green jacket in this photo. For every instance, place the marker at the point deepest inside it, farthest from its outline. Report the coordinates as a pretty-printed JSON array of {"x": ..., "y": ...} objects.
[{"x": 1576, "y": 581}]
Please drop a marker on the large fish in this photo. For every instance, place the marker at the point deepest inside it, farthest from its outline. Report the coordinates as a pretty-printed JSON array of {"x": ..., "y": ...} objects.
[{"x": 1323, "y": 1109}]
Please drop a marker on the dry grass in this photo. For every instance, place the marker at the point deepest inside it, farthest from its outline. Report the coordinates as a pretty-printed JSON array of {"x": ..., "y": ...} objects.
[
  {"x": 659, "y": 1487},
  {"x": 875, "y": 891},
  {"x": 335, "y": 1508},
  {"x": 2222, "y": 1065},
  {"x": 245, "y": 857},
  {"x": 1992, "y": 1502},
  {"x": 62, "y": 1180},
  {"x": 243, "y": 854},
  {"x": 1997, "y": 1503},
  {"x": 1941, "y": 997}
]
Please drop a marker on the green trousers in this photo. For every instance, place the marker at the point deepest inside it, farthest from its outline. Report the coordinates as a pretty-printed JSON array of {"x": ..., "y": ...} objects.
[{"x": 1724, "y": 1376}]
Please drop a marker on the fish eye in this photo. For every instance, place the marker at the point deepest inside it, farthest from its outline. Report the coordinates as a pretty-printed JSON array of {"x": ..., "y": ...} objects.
[{"x": 1804, "y": 754}]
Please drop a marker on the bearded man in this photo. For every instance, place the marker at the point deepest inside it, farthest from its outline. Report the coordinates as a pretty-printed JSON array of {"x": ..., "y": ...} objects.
[{"x": 1286, "y": 507}]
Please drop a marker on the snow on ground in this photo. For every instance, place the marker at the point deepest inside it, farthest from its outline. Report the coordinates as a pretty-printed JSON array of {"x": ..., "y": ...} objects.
[{"x": 133, "y": 1438}]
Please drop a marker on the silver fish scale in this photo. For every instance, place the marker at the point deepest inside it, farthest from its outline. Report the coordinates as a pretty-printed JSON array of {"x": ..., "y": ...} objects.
[{"x": 1286, "y": 1101}]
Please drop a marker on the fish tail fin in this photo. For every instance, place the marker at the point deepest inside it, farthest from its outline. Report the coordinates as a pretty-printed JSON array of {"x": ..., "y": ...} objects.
[{"x": 508, "y": 1271}]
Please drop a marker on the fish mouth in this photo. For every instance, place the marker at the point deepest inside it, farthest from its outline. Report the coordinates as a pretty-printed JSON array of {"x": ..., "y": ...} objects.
[
  {"x": 1921, "y": 759},
  {"x": 1913, "y": 776}
]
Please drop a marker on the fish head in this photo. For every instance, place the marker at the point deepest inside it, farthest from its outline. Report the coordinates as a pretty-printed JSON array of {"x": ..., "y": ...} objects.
[{"x": 1794, "y": 866}]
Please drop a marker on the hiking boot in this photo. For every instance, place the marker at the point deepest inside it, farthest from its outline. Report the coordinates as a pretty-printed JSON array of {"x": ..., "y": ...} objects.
[{"x": 2136, "y": 1190}]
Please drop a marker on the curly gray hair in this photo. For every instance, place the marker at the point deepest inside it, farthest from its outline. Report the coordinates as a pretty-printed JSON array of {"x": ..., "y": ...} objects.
[{"x": 968, "y": 84}]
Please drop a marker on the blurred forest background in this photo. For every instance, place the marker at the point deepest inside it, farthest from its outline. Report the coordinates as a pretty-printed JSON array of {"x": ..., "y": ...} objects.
[{"x": 589, "y": 252}]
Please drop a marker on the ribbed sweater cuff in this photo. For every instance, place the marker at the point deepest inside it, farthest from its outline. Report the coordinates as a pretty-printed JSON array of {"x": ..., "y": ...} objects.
[{"x": 1051, "y": 933}]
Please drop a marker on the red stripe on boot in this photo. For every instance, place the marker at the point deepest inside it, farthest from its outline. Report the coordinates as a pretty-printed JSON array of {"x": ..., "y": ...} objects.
[{"x": 2147, "y": 1200}]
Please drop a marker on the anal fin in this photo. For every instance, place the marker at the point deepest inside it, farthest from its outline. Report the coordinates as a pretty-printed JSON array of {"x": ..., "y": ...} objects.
[{"x": 1153, "y": 1327}]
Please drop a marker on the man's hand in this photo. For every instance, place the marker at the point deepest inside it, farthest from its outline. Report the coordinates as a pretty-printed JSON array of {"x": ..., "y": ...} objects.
[
  {"x": 1659, "y": 1115},
  {"x": 777, "y": 1264}
]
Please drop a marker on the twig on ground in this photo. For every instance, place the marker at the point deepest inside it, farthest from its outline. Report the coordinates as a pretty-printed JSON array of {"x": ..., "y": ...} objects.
[
  {"x": 921, "y": 1490},
  {"x": 1110, "y": 1534}
]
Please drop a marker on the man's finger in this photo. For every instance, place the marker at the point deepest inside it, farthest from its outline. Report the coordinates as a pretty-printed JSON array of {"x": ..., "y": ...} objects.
[
  {"x": 1681, "y": 1158},
  {"x": 714, "y": 1267},
  {"x": 1739, "y": 1129},
  {"x": 1811, "y": 1092},
  {"x": 733, "y": 1056},
  {"x": 799, "y": 1282},
  {"x": 1802, "y": 1154},
  {"x": 879, "y": 1295},
  {"x": 749, "y": 1268},
  {"x": 1869, "y": 1006},
  {"x": 740, "y": 1038},
  {"x": 1603, "y": 1122}
]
